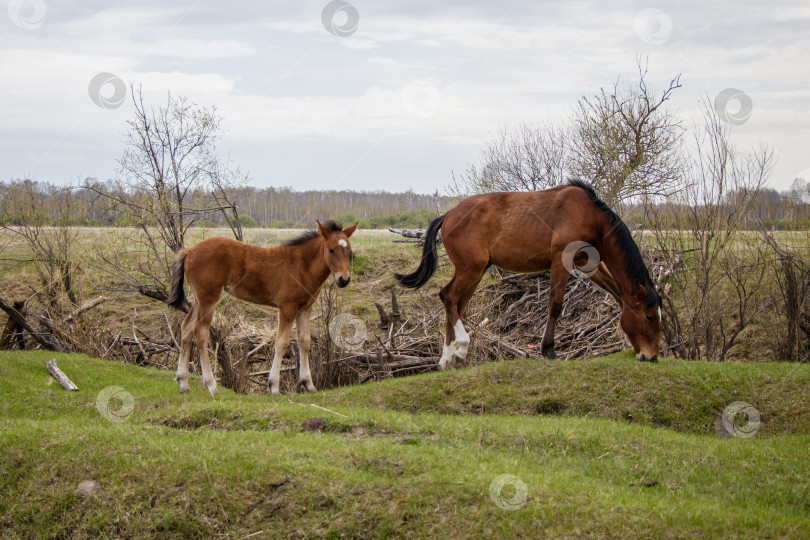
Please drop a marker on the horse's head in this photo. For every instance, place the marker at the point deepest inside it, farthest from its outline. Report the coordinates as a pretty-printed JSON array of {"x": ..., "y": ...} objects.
[
  {"x": 641, "y": 322},
  {"x": 337, "y": 250}
]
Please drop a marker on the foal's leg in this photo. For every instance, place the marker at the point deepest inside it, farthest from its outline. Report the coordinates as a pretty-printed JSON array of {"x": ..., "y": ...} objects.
[
  {"x": 205, "y": 314},
  {"x": 304, "y": 345},
  {"x": 285, "y": 320},
  {"x": 186, "y": 335},
  {"x": 559, "y": 277}
]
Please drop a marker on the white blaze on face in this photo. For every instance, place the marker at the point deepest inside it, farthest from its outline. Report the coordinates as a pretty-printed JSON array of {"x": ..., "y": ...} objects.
[
  {"x": 343, "y": 243},
  {"x": 659, "y": 313}
]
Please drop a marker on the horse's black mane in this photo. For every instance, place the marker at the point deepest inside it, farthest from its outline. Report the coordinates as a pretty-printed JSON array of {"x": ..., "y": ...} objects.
[
  {"x": 635, "y": 263},
  {"x": 309, "y": 235}
]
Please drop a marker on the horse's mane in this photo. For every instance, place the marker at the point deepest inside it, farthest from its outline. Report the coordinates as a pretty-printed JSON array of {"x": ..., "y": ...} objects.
[
  {"x": 634, "y": 262},
  {"x": 332, "y": 225}
]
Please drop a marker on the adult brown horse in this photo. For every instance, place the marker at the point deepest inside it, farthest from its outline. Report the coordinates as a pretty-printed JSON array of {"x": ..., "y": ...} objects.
[
  {"x": 564, "y": 228},
  {"x": 288, "y": 277}
]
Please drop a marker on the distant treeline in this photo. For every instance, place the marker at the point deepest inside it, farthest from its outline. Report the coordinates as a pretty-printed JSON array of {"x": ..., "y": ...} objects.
[{"x": 94, "y": 204}]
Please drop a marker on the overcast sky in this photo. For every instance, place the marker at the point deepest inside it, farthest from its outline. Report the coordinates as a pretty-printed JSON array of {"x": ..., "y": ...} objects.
[{"x": 390, "y": 95}]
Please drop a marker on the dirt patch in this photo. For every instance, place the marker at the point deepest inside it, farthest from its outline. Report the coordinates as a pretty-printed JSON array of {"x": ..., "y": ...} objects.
[
  {"x": 550, "y": 405},
  {"x": 379, "y": 465},
  {"x": 219, "y": 421},
  {"x": 314, "y": 425}
]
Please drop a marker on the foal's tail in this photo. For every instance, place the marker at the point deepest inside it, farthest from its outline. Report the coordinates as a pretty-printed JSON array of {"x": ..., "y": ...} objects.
[
  {"x": 429, "y": 258},
  {"x": 177, "y": 296}
]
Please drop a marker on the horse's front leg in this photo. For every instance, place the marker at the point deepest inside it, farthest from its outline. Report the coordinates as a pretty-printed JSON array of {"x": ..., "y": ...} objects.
[
  {"x": 559, "y": 277},
  {"x": 304, "y": 344},
  {"x": 285, "y": 320}
]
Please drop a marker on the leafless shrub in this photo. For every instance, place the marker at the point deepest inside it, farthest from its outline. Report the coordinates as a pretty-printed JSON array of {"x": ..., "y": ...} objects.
[
  {"x": 713, "y": 292},
  {"x": 792, "y": 275}
]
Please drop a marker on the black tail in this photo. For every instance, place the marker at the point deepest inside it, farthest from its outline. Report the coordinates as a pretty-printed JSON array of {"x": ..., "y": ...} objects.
[
  {"x": 429, "y": 258},
  {"x": 177, "y": 296}
]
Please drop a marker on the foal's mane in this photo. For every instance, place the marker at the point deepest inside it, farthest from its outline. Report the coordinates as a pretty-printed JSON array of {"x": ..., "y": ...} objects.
[
  {"x": 634, "y": 263},
  {"x": 332, "y": 225}
]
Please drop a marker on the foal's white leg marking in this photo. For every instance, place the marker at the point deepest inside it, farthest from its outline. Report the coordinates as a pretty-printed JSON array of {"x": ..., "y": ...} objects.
[
  {"x": 304, "y": 344},
  {"x": 208, "y": 375},
  {"x": 462, "y": 341},
  {"x": 186, "y": 335},
  {"x": 275, "y": 372},
  {"x": 182, "y": 368}
]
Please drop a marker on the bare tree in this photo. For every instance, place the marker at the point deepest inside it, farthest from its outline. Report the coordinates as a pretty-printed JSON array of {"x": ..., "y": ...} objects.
[
  {"x": 626, "y": 142},
  {"x": 170, "y": 176},
  {"x": 42, "y": 220},
  {"x": 525, "y": 158}
]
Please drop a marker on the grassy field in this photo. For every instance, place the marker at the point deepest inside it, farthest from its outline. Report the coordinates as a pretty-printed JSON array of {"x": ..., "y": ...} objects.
[{"x": 606, "y": 447}]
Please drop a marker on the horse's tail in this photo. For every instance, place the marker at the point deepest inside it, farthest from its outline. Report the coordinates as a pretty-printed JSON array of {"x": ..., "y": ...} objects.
[
  {"x": 429, "y": 258},
  {"x": 177, "y": 296}
]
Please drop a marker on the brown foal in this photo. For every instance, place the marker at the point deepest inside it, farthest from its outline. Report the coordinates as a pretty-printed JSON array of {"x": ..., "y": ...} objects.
[
  {"x": 564, "y": 228},
  {"x": 288, "y": 277}
]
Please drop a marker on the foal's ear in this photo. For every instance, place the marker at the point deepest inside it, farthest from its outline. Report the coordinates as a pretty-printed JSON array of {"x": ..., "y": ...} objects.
[
  {"x": 348, "y": 231},
  {"x": 326, "y": 232}
]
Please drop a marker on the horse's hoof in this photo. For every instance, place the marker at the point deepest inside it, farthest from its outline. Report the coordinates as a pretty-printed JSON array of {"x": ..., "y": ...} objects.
[
  {"x": 213, "y": 391},
  {"x": 549, "y": 353},
  {"x": 311, "y": 389},
  {"x": 275, "y": 392},
  {"x": 183, "y": 388}
]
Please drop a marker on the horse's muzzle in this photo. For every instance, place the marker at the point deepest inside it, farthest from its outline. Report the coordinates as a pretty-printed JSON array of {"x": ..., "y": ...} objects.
[
  {"x": 644, "y": 358},
  {"x": 342, "y": 282}
]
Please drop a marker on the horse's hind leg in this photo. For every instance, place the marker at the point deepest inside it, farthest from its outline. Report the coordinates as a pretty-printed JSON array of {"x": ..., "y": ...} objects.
[
  {"x": 186, "y": 335},
  {"x": 455, "y": 296},
  {"x": 304, "y": 345},
  {"x": 559, "y": 277}
]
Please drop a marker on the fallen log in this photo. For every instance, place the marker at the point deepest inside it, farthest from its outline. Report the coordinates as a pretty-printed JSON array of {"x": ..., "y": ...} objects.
[
  {"x": 90, "y": 304},
  {"x": 408, "y": 233},
  {"x": 54, "y": 345},
  {"x": 59, "y": 375}
]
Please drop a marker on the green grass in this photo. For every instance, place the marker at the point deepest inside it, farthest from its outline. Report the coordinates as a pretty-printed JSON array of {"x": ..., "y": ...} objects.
[{"x": 413, "y": 457}]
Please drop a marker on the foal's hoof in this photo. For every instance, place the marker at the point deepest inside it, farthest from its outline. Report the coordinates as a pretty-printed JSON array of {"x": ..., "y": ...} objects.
[{"x": 308, "y": 386}]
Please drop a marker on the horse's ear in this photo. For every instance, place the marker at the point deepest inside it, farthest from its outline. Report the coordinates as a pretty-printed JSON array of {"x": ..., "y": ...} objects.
[
  {"x": 641, "y": 289},
  {"x": 348, "y": 231},
  {"x": 325, "y": 231}
]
